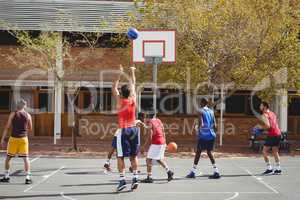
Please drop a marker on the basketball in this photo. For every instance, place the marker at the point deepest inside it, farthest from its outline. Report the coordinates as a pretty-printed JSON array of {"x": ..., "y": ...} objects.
[
  {"x": 172, "y": 147},
  {"x": 132, "y": 33}
]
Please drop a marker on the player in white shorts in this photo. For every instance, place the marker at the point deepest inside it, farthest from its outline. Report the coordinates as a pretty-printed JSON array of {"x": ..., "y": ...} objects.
[{"x": 157, "y": 148}]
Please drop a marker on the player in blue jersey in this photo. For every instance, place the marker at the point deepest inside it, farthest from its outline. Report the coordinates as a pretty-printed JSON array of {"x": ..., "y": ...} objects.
[{"x": 206, "y": 138}]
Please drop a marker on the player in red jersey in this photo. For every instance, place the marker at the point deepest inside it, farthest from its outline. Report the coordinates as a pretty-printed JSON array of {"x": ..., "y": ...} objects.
[
  {"x": 269, "y": 123},
  {"x": 157, "y": 148},
  {"x": 128, "y": 140}
]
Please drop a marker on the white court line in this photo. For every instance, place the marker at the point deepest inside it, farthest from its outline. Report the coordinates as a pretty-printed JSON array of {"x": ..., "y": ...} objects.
[
  {"x": 45, "y": 177},
  {"x": 261, "y": 181},
  {"x": 35, "y": 159},
  {"x": 185, "y": 193},
  {"x": 236, "y": 194},
  {"x": 66, "y": 197}
]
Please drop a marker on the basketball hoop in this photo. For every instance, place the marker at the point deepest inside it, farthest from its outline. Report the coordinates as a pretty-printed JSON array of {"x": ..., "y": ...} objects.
[{"x": 154, "y": 47}]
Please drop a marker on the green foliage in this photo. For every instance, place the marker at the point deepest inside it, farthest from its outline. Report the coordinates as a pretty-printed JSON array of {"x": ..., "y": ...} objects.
[
  {"x": 40, "y": 49},
  {"x": 239, "y": 41}
]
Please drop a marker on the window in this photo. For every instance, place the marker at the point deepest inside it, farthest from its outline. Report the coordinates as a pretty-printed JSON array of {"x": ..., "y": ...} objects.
[
  {"x": 235, "y": 104},
  {"x": 106, "y": 101},
  {"x": 169, "y": 101},
  {"x": 7, "y": 39},
  {"x": 99, "y": 102},
  {"x": 69, "y": 101},
  {"x": 240, "y": 103},
  {"x": 294, "y": 106},
  {"x": 146, "y": 100},
  {"x": 45, "y": 102},
  {"x": 256, "y": 103},
  {"x": 4, "y": 100},
  {"x": 87, "y": 101}
]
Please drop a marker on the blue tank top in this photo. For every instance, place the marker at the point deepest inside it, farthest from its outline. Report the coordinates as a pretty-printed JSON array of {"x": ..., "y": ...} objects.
[{"x": 207, "y": 132}]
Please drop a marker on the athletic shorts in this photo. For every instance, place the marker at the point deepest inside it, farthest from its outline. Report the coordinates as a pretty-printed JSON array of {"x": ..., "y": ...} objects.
[
  {"x": 206, "y": 145},
  {"x": 156, "y": 151},
  {"x": 128, "y": 142},
  {"x": 272, "y": 141},
  {"x": 18, "y": 146},
  {"x": 114, "y": 142}
]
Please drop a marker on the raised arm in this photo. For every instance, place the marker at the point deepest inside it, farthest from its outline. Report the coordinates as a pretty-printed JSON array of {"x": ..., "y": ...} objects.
[
  {"x": 115, "y": 90},
  {"x": 132, "y": 81}
]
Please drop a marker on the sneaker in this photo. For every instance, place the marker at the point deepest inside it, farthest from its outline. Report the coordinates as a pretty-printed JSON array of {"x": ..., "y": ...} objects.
[
  {"x": 216, "y": 175},
  {"x": 121, "y": 186},
  {"x": 277, "y": 172},
  {"x": 191, "y": 175},
  {"x": 134, "y": 184},
  {"x": 148, "y": 180},
  {"x": 107, "y": 167},
  {"x": 28, "y": 181},
  {"x": 5, "y": 180},
  {"x": 267, "y": 172},
  {"x": 170, "y": 175}
]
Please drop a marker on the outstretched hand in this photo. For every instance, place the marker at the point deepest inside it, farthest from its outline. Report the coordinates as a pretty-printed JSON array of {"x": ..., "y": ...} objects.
[{"x": 132, "y": 68}]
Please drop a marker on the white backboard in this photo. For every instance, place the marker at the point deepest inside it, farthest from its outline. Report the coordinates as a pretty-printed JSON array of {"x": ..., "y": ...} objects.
[{"x": 154, "y": 43}]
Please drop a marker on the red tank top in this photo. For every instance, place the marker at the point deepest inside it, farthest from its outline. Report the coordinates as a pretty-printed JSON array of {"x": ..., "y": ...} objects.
[
  {"x": 157, "y": 132},
  {"x": 274, "y": 130},
  {"x": 126, "y": 113}
]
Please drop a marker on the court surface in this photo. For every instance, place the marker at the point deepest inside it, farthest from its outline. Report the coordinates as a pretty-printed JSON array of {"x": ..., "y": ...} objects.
[{"x": 84, "y": 179}]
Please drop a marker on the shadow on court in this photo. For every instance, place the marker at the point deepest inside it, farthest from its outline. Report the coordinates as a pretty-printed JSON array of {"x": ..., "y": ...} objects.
[{"x": 65, "y": 194}]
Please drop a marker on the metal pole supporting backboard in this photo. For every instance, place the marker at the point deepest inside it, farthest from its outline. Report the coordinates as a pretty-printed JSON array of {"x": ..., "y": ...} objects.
[
  {"x": 222, "y": 115},
  {"x": 154, "y": 77},
  {"x": 154, "y": 61}
]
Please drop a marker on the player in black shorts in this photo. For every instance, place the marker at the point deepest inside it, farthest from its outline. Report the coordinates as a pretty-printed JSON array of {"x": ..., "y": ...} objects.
[
  {"x": 269, "y": 123},
  {"x": 206, "y": 139}
]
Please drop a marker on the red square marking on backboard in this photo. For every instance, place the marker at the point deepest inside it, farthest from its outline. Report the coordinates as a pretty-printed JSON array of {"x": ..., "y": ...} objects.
[{"x": 155, "y": 41}]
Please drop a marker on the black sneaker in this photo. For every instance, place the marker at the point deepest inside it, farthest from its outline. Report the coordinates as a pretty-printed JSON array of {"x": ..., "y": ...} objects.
[
  {"x": 107, "y": 167},
  {"x": 135, "y": 184},
  {"x": 170, "y": 175},
  {"x": 4, "y": 180},
  {"x": 277, "y": 172},
  {"x": 268, "y": 172},
  {"x": 191, "y": 175},
  {"x": 28, "y": 181},
  {"x": 216, "y": 175},
  {"x": 121, "y": 186},
  {"x": 148, "y": 180}
]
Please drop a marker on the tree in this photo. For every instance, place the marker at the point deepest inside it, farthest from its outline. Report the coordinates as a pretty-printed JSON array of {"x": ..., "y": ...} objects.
[{"x": 227, "y": 41}]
